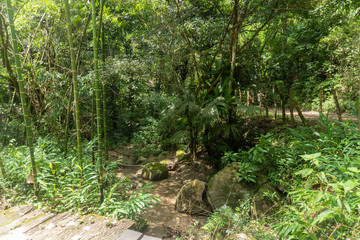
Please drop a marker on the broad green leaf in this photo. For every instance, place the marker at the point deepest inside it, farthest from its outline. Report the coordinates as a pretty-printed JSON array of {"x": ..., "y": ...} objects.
[
  {"x": 305, "y": 172},
  {"x": 322, "y": 216},
  {"x": 353, "y": 169},
  {"x": 347, "y": 206},
  {"x": 310, "y": 156},
  {"x": 350, "y": 184}
]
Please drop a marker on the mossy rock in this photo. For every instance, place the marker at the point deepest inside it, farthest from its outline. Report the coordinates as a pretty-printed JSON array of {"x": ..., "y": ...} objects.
[
  {"x": 155, "y": 171},
  {"x": 239, "y": 236},
  {"x": 166, "y": 162},
  {"x": 180, "y": 154},
  {"x": 191, "y": 198},
  {"x": 162, "y": 155},
  {"x": 225, "y": 189},
  {"x": 264, "y": 200}
]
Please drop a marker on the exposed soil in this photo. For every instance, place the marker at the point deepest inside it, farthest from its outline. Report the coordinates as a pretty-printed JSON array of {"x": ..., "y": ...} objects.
[
  {"x": 163, "y": 220},
  {"x": 312, "y": 115}
]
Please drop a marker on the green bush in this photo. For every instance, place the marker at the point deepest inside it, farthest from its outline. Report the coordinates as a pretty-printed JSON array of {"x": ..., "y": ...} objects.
[{"x": 62, "y": 189}]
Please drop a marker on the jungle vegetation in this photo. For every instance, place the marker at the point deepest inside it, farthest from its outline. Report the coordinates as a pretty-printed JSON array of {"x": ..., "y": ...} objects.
[{"x": 78, "y": 78}]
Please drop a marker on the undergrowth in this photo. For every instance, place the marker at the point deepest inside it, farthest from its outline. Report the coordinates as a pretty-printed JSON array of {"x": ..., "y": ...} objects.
[
  {"x": 317, "y": 169},
  {"x": 61, "y": 187}
]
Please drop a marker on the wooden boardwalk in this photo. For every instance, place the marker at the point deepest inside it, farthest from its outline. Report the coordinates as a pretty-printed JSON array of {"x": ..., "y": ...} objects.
[{"x": 26, "y": 223}]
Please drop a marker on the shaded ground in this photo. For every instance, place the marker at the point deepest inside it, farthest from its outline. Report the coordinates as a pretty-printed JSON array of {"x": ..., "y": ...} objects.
[
  {"x": 312, "y": 115},
  {"x": 163, "y": 220}
]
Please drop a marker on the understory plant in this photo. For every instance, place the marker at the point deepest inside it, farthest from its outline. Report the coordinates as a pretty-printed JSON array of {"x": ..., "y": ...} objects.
[
  {"x": 61, "y": 188},
  {"x": 318, "y": 170}
]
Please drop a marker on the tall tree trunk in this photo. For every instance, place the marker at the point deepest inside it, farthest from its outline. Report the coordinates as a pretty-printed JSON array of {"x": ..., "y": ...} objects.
[
  {"x": 320, "y": 99},
  {"x": 292, "y": 106},
  {"x": 68, "y": 113},
  {"x": 23, "y": 96},
  {"x": 338, "y": 110},
  {"x": 75, "y": 84},
  {"x": 296, "y": 105},
  {"x": 275, "y": 105},
  {"x": 106, "y": 149},
  {"x": 234, "y": 39},
  {"x": 282, "y": 106},
  {"x": 93, "y": 159},
  {"x": 97, "y": 100}
]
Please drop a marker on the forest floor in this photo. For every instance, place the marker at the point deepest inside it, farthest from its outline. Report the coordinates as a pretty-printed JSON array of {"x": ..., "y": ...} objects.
[
  {"x": 311, "y": 115},
  {"x": 163, "y": 220}
]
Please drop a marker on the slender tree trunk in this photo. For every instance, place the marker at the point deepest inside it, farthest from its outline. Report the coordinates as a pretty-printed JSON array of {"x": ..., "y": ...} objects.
[
  {"x": 338, "y": 110},
  {"x": 68, "y": 113},
  {"x": 292, "y": 106},
  {"x": 275, "y": 105},
  {"x": 75, "y": 84},
  {"x": 93, "y": 159},
  {"x": 320, "y": 99},
  {"x": 234, "y": 39},
  {"x": 22, "y": 95},
  {"x": 106, "y": 149},
  {"x": 303, "y": 120},
  {"x": 283, "y": 107},
  {"x": 97, "y": 100},
  {"x": 266, "y": 104}
]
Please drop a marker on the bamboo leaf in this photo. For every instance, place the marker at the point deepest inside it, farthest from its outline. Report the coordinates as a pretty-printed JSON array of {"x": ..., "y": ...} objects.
[{"x": 322, "y": 216}]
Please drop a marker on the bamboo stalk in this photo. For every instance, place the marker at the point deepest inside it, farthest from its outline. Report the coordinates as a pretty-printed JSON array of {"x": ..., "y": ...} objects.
[
  {"x": 97, "y": 100},
  {"x": 75, "y": 84},
  {"x": 338, "y": 111},
  {"x": 22, "y": 95}
]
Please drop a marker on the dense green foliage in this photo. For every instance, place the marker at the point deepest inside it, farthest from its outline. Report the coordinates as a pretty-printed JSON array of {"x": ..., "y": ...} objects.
[
  {"x": 62, "y": 189},
  {"x": 173, "y": 75},
  {"x": 318, "y": 168}
]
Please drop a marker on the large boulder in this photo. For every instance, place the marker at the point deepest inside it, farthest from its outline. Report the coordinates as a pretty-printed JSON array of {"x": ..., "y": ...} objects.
[
  {"x": 225, "y": 189},
  {"x": 154, "y": 171},
  {"x": 264, "y": 200},
  {"x": 191, "y": 198}
]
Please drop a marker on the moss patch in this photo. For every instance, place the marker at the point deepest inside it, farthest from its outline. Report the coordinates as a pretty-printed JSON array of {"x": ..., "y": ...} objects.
[{"x": 155, "y": 171}]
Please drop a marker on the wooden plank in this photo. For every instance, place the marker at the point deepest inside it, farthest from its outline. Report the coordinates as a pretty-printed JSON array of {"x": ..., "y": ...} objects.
[
  {"x": 11, "y": 214},
  {"x": 130, "y": 235},
  {"x": 22, "y": 224}
]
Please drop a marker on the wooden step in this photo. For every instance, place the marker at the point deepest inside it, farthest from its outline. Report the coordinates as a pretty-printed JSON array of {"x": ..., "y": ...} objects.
[{"x": 26, "y": 223}]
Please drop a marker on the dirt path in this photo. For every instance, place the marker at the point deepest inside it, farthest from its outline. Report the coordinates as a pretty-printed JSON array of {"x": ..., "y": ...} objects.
[
  {"x": 163, "y": 220},
  {"x": 312, "y": 115}
]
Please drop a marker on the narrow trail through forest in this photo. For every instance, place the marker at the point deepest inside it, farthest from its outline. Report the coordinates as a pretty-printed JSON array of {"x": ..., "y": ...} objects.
[
  {"x": 163, "y": 220},
  {"x": 311, "y": 115}
]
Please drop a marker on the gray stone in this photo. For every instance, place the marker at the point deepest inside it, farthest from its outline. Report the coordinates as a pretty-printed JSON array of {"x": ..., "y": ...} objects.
[
  {"x": 225, "y": 189},
  {"x": 239, "y": 236},
  {"x": 150, "y": 238},
  {"x": 191, "y": 198},
  {"x": 130, "y": 235}
]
